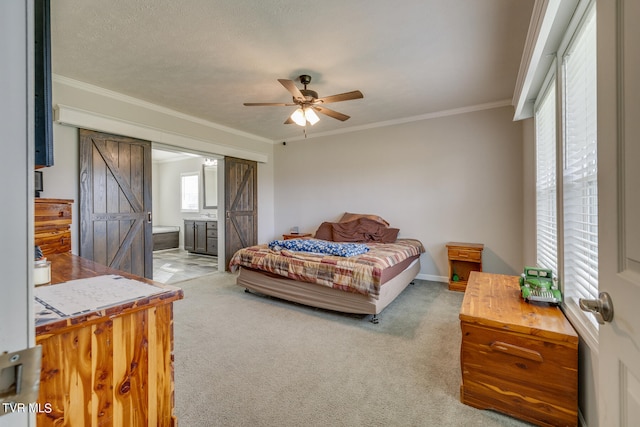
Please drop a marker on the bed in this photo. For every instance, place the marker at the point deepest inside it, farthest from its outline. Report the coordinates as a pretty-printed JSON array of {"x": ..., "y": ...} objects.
[
  {"x": 165, "y": 237},
  {"x": 365, "y": 283}
]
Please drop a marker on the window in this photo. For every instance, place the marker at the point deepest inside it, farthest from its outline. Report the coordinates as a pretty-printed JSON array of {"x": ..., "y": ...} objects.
[
  {"x": 189, "y": 192},
  {"x": 567, "y": 235},
  {"x": 579, "y": 165},
  {"x": 546, "y": 194}
]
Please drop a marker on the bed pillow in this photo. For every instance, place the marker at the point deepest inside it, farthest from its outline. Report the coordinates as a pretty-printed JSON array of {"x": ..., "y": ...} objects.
[
  {"x": 363, "y": 230},
  {"x": 324, "y": 232},
  {"x": 347, "y": 217},
  {"x": 389, "y": 235}
]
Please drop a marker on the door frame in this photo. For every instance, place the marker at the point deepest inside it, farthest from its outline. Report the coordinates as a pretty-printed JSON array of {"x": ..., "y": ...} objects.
[{"x": 17, "y": 330}]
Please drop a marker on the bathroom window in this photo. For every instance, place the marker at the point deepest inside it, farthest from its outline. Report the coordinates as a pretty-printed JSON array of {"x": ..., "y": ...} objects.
[{"x": 190, "y": 192}]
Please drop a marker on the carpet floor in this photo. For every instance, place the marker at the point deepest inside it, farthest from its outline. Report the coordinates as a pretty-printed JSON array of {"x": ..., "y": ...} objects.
[{"x": 244, "y": 359}]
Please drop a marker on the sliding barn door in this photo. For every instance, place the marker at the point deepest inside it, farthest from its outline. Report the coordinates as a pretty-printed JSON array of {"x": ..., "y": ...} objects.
[
  {"x": 115, "y": 202},
  {"x": 241, "y": 205}
]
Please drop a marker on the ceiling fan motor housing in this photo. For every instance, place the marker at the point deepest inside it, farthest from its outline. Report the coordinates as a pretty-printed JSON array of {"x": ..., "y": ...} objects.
[
  {"x": 305, "y": 79},
  {"x": 309, "y": 95}
]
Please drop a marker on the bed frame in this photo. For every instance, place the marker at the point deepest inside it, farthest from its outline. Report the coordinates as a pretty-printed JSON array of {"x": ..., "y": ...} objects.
[{"x": 324, "y": 297}]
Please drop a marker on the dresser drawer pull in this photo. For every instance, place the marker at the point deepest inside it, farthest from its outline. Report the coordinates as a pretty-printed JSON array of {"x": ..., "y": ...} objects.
[{"x": 514, "y": 350}]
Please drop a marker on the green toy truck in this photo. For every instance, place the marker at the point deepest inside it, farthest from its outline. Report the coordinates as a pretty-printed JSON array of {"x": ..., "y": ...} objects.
[{"x": 538, "y": 284}]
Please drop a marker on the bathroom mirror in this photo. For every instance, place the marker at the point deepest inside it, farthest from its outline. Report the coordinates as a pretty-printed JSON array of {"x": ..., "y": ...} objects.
[{"x": 210, "y": 186}]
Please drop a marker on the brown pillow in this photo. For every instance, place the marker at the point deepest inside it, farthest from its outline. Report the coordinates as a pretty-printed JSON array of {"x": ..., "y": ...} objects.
[
  {"x": 324, "y": 232},
  {"x": 389, "y": 235},
  {"x": 353, "y": 216}
]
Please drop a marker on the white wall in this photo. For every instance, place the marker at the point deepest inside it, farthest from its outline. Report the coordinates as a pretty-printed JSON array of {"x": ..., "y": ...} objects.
[{"x": 455, "y": 178}]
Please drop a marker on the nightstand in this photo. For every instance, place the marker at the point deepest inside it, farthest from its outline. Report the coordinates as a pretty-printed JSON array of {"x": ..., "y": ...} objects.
[
  {"x": 463, "y": 259},
  {"x": 295, "y": 236}
]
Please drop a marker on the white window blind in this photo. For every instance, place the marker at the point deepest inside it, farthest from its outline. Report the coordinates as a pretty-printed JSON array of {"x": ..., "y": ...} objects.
[
  {"x": 546, "y": 211},
  {"x": 580, "y": 197}
]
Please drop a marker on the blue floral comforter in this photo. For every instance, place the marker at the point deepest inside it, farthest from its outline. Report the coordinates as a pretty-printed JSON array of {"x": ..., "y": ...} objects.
[{"x": 320, "y": 247}]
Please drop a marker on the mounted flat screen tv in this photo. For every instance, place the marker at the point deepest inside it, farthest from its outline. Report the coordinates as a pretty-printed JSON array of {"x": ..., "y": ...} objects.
[{"x": 42, "y": 85}]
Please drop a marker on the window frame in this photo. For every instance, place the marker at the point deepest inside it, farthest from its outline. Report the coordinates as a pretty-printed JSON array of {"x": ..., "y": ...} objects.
[{"x": 585, "y": 325}]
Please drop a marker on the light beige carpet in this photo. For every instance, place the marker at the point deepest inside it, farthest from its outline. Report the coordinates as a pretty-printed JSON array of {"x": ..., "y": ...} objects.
[{"x": 248, "y": 360}]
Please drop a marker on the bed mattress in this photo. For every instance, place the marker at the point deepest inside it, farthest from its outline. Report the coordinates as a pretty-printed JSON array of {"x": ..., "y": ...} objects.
[{"x": 362, "y": 274}]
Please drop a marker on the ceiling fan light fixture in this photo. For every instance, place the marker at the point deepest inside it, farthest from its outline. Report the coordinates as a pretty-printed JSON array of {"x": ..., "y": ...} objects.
[
  {"x": 311, "y": 116},
  {"x": 298, "y": 117}
]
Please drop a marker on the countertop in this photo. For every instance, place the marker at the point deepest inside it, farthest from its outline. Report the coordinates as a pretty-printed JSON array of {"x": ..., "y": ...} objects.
[{"x": 66, "y": 267}]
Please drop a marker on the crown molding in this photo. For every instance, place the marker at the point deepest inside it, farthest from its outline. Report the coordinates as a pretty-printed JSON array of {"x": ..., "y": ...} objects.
[
  {"x": 153, "y": 107},
  {"x": 427, "y": 116}
]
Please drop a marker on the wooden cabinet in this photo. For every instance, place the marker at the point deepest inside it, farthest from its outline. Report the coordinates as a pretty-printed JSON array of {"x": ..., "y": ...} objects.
[
  {"x": 52, "y": 225},
  {"x": 463, "y": 259},
  {"x": 109, "y": 366},
  {"x": 295, "y": 236},
  {"x": 201, "y": 237},
  {"x": 517, "y": 358}
]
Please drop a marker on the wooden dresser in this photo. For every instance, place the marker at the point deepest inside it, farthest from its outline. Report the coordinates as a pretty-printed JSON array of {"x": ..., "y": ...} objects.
[
  {"x": 52, "y": 225},
  {"x": 111, "y": 366},
  {"x": 517, "y": 358}
]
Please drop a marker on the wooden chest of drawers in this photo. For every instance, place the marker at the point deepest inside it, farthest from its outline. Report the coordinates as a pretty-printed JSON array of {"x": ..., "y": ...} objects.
[
  {"x": 517, "y": 358},
  {"x": 52, "y": 225}
]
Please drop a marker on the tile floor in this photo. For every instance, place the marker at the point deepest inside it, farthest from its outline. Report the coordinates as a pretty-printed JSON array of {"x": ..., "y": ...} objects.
[{"x": 176, "y": 265}]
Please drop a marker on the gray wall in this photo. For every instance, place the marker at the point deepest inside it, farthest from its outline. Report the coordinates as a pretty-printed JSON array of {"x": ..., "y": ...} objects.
[{"x": 455, "y": 178}]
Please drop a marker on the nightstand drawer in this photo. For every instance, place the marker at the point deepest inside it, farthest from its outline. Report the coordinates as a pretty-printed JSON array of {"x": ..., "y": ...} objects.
[{"x": 465, "y": 254}]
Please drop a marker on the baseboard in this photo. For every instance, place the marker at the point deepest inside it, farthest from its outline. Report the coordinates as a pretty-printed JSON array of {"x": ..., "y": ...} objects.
[{"x": 432, "y": 278}]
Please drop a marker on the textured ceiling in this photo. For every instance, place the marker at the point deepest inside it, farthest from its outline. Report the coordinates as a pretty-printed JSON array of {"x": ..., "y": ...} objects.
[{"x": 206, "y": 57}]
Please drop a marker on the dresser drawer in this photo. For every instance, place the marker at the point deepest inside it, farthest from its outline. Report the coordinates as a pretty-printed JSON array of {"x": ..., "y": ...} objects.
[
  {"x": 54, "y": 242},
  {"x": 465, "y": 254},
  {"x": 52, "y": 214}
]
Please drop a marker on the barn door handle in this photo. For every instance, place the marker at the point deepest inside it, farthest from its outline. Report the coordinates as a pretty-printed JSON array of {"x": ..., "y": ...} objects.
[
  {"x": 601, "y": 307},
  {"x": 228, "y": 214},
  {"x": 149, "y": 217}
]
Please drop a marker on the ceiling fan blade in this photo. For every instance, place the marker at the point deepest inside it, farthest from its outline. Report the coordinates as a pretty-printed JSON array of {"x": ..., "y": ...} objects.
[
  {"x": 291, "y": 87},
  {"x": 330, "y": 113},
  {"x": 356, "y": 94},
  {"x": 267, "y": 104},
  {"x": 289, "y": 121}
]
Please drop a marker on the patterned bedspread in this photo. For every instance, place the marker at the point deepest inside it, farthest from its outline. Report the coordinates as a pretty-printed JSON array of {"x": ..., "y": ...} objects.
[{"x": 360, "y": 273}]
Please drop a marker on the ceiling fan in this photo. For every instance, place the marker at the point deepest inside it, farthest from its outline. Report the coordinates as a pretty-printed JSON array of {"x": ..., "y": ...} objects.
[{"x": 308, "y": 102}]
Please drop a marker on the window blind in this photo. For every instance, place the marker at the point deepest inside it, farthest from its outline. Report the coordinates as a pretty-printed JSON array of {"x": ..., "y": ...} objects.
[
  {"x": 546, "y": 222},
  {"x": 580, "y": 185}
]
